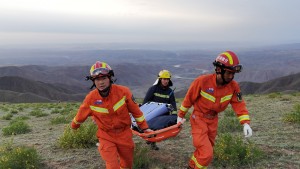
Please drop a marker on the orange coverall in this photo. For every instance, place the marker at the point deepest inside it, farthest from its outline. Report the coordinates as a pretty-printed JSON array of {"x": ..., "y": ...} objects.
[
  {"x": 208, "y": 100},
  {"x": 111, "y": 115}
]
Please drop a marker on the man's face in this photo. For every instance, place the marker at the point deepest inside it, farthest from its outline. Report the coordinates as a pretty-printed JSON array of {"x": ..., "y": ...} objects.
[
  {"x": 165, "y": 82},
  {"x": 102, "y": 82},
  {"x": 228, "y": 75}
]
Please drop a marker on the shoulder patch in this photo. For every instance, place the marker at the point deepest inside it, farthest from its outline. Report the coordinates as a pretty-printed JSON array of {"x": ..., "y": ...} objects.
[
  {"x": 133, "y": 99},
  {"x": 239, "y": 97}
]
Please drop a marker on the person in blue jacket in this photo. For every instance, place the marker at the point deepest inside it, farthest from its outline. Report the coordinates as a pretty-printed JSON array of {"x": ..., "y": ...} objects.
[{"x": 162, "y": 93}]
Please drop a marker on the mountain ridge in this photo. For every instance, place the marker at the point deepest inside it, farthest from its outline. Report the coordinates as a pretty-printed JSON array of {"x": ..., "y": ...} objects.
[
  {"x": 35, "y": 91},
  {"x": 64, "y": 71}
]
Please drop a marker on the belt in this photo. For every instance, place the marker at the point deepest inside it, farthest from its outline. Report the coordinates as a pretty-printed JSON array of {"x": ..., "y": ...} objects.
[
  {"x": 209, "y": 115},
  {"x": 115, "y": 130}
]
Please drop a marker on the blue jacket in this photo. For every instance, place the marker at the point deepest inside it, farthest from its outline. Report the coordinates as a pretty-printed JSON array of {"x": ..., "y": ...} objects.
[{"x": 159, "y": 94}]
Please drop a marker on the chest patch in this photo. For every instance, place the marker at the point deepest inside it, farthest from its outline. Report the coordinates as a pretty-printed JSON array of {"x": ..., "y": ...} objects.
[
  {"x": 209, "y": 90},
  {"x": 98, "y": 102}
]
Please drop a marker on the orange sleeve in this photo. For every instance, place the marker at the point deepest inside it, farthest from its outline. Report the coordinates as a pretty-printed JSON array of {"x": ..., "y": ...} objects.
[
  {"x": 134, "y": 109},
  {"x": 83, "y": 113},
  {"x": 239, "y": 106},
  {"x": 190, "y": 97}
]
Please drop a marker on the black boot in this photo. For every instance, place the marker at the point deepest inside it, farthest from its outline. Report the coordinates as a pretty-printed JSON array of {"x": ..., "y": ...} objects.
[{"x": 154, "y": 146}]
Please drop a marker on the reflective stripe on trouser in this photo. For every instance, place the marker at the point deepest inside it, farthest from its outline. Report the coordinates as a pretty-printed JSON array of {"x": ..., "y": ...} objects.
[
  {"x": 204, "y": 132},
  {"x": 120, "y": 149}
]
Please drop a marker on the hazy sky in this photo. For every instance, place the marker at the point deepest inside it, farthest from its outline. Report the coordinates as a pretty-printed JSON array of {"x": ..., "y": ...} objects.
[{"x": 149, "y": 21}]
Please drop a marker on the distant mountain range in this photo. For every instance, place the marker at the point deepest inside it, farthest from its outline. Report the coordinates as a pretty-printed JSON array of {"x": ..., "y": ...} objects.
[
  {"x": 50, "y": 75},
  {"x": 18, "y": 90},
  {"x": 290, "y": 83}
]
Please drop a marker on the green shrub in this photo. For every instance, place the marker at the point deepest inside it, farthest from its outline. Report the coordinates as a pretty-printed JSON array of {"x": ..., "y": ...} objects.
[
  {"x": 232, "y": 152},
  {"x": 229, "y": 112},
  {"x": 59, "y": 120},
  {"x": 83, "y": 137},
  {"x": 4, "y": 108},
  {"x": 71, "y": 115},
  {"x": 296, "y": 94},
  {"x": 38, "y": 113},
  {"x": 69, "y": 108},
  {"x": 22, "y": 118},
  {"x": 20, "y": 108},
  {"x": 20, "y": 157},
  {"x": 55, "y": 111},
  {"x": 274, "y": 95},
  {"x": 229, "y": 122},
  {"x": 142, "y": 158},
  {"x": 294, "y": 116},
  {"x": 7, "y": 116},
  {"x": 14, "y": 111},
  {"x": 16, "y": 127}
]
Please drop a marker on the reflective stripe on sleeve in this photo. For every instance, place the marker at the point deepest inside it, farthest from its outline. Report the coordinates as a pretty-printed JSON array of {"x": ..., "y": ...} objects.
[
  {"x": 184, "y": 109},
  {"x": 75, "y": 121},
  {"x": 244, "y": 117},
  {"x": 140, "y": 119}
]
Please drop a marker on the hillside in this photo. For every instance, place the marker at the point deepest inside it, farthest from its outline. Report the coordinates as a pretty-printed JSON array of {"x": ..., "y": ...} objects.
[
  {"x": 18, "y": 89},
  {"x": 278, "y": 139},
  {"x": 289, "y": 83}
]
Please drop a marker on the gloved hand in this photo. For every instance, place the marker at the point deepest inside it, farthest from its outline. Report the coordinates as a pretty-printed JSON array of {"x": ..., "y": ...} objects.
[
  {"x": 247, "y": 130},
  {"x": 147, "y": 130},
  {"x": 179, "y": 119},
  {"x": 173, "y": 112}
]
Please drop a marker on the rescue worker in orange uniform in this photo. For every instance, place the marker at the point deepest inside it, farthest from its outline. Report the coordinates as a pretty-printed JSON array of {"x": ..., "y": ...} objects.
[
  {"x": 109, "y": 105},
  {"x": 209, "y": 95}
]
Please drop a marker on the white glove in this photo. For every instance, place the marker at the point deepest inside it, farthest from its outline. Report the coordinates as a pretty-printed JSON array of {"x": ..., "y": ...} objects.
[
  {"x": 247, "y": 130},
  {"x": 147, "y": 130},
  {"x": 179, "y": 119}
]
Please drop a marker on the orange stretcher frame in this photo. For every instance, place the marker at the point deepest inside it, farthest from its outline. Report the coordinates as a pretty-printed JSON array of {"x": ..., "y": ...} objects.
[{"x": 160, "y": 135}]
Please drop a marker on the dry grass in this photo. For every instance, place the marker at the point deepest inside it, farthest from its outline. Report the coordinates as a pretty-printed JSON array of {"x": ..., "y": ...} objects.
[{"x": 280, "y": 140}]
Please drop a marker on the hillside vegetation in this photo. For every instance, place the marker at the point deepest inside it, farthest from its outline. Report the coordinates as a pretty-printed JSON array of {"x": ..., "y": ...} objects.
[{"x": 276, "y": 137}]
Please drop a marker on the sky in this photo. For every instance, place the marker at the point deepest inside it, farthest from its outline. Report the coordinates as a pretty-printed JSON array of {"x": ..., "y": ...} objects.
[{"x": 47, "y": 22}]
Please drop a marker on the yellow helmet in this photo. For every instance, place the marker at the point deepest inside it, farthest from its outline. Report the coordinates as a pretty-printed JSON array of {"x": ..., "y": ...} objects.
[{"x": 164, "y": 74}]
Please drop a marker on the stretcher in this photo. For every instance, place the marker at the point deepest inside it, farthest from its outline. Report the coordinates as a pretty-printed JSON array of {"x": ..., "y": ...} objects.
[
  {"x": 160, "y": 135},
  {"x": 155, "y": 111}
]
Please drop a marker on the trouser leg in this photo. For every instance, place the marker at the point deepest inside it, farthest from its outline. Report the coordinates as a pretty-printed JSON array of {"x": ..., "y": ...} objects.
[
  {"x": 109, "y": 154},
  {"x": 203, "y": 132},
  {"x": 126, "y": 156}
]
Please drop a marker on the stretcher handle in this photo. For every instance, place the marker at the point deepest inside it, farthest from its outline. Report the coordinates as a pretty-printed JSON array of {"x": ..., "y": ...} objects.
[{"x": 178, "y": 125}]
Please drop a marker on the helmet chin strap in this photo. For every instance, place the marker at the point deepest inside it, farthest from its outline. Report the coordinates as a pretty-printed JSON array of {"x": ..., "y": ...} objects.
[
  {"x": 104, "y": 92},
  {"x": 224, "y": 82}
]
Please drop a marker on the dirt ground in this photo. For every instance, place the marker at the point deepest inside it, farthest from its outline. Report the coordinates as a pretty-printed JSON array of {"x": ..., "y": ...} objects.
[{"x": 278, "y": 139}]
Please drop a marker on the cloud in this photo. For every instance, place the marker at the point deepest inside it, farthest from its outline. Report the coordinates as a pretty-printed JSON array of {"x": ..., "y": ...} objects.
[{"x": 143, "y": 20}]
